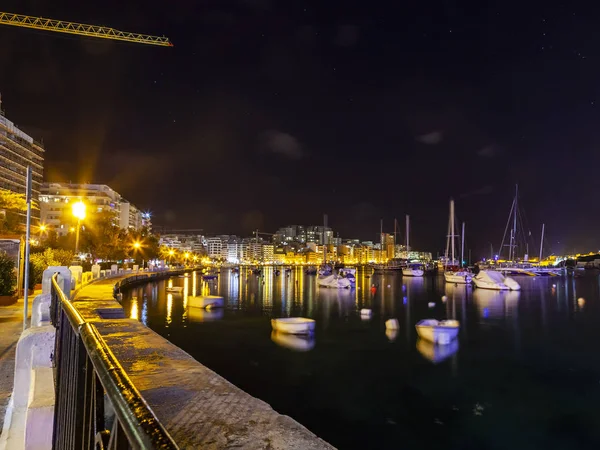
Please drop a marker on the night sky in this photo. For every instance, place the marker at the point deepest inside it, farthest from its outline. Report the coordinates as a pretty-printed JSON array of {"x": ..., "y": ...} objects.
[{"x": 269, "y": 113}]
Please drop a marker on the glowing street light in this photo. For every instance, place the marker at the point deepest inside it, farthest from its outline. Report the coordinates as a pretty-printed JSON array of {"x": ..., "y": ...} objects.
[
  {"x": 137, "y": 245},
  {"x": 79, "y": 213}
]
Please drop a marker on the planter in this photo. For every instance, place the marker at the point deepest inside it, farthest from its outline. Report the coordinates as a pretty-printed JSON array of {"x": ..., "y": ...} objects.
[
  {"x": 6, "y": 300},
  {"x": 38, "y": 286}
]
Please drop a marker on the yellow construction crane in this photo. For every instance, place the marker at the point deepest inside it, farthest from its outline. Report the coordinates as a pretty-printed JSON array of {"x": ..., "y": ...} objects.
[{"x": 60, "y": 26}]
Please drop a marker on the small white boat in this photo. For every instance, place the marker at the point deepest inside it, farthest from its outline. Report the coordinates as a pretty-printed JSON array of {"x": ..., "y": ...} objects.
[
  {"x": 293, "y": 342},
  {"x": 175, "y": 289},
  {"x": 439, "y": 332},
  {"x": 206, "y": 301},
  {"x": 491, "y": 279},
  {"x": 414, "y": 270},
  {"x": 461, "y": 277},
  {"x": 293, "y": 325},
  {"x": 334, "y": 281}
]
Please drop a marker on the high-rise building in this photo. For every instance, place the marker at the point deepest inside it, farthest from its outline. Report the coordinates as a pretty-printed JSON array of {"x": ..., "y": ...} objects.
[
  {"x": 56, "y": 200},
  {"x": 214, "y": 246},
  {"x": 17, "y": 151}
]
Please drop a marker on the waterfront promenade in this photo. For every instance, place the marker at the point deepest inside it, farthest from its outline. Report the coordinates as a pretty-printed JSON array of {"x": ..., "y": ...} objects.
[
  {"x": 11, "y": 321},
  {"x": 199, "y": 408},
  {"x": 196, "y": 406}
]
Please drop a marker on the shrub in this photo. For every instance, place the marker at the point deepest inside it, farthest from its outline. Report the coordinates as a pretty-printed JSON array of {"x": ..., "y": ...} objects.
[
  {"x": 8, "y": 277},
  {"x": 38, "y": 262}
]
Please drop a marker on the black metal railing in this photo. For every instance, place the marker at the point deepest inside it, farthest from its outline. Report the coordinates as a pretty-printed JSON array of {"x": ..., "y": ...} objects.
[{"x": 97, "y": 406}]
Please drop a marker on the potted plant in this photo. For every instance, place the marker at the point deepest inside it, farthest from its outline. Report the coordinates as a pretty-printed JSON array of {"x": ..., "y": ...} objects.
[{"x": 8, "y": 280}]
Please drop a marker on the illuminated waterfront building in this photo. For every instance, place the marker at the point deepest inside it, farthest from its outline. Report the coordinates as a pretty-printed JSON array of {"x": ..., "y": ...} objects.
[
  {"x": 17, "y": 151},
  {"x": 56, "y": 200}
]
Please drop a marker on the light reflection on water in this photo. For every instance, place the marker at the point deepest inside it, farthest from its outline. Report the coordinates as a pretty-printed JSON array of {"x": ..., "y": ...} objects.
[{"x": 528, "y": 358}]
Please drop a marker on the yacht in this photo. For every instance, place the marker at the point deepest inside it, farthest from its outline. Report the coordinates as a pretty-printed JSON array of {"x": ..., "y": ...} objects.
[
  {"x": 453, "y": 272},
  {"x": 491, "y": 279}
]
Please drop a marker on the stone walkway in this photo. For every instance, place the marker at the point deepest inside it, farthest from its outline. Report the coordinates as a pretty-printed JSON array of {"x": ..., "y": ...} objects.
[{"x": 11, "y": 326}]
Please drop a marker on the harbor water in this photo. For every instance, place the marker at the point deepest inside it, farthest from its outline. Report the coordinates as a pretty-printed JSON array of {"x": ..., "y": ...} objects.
[{"x": 523, "y": 373}]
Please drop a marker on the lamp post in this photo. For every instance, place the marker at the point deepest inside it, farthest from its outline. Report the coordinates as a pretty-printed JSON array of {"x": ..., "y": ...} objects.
[
  {"x": 136, "y": 248},
  {"x": 171, "y": 253},
  {"x": 79, "y": 213}
]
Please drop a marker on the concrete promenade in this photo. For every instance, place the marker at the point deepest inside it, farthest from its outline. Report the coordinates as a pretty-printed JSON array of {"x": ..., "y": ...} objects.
[
  {"x": 11, "y": 323},
  {"x": 199, "y": 408}
]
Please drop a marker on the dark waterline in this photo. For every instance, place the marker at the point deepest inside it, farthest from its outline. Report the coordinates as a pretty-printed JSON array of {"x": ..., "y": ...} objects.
[{"x": 524, "y": 373}]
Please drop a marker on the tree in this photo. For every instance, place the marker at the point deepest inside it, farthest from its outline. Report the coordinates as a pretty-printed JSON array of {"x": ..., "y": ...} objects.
[
  {"x": 11, "y": 203},
  {"x": 8, "y": 277},
  {"x": 38, "y": 262},
  {"x": 102, "y": 237}
]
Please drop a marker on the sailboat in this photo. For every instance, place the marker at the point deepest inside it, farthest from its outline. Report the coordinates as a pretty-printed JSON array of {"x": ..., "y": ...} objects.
[
  {"x": 455, "y": 276},
  {"x": 413, "y": 270},
  {"x": 512, "y": 266}
]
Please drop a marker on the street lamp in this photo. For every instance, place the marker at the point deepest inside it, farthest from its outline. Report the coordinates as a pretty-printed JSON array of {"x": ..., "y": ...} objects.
[
  {"x": 136, "y": 246},
  {"x": 79, "y": 213},
  {"x": 171, "y": 253}
]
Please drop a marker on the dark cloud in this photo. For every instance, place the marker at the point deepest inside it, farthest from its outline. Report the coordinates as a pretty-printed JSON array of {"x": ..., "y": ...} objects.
[
  {"x": 283, "y": 144},
  {"x": 489, "y": 151},
  {"x": 432, "y": 138},
  {"x": 346, "y": 35}
]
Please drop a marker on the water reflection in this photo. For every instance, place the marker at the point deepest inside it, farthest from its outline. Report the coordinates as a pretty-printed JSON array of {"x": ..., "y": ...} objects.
[
  {"x": 542, "y": 339},
  {"x": 496, "y": 304},
  {"x": 134, "y": 308},
  {"x": 436, "y": 353},
  {"x": 293, "y": 342},
  {"x": 205, "y": 315}
]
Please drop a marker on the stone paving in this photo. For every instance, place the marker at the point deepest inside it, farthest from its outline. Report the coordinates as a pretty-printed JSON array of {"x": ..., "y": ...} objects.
[{"x": 11, "y": 326}]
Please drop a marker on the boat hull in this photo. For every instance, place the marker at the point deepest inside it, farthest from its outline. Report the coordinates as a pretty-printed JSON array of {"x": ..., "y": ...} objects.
[
  {"x": 441, "y": 333},
  {"x": 293, "y": 325},
  {"x": 334, "y": 281},
  {"x": 458, "y": 277},
  {"x": 412, "y": 272},
  {"x": 488, "y": 279}
]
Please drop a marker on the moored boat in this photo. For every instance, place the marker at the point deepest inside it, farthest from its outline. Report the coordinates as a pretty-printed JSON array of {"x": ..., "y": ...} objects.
[
  {"x": 334, "y": 281},
  {"x": 175, "y": 289},
  {"x": 441, "y": 332},
  {"x": 491, "y": 279},
  {"x": 293, "y": 325},
  {"x": 413, "y": 270},
  {"x": 460, "y": 277}
]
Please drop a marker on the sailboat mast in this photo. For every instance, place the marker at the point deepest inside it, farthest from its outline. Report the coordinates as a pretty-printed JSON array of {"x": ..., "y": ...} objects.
[
  {"x": 324, "y": 238},
  {"x": 514, "y": 230},
  {"x": 381, "y": 241},
  {"x": 542, "y": 242},
  {"x": 452, "y": 228},
  {"x": 407, "y": 234},
  {"x": 462, "y": 246}
]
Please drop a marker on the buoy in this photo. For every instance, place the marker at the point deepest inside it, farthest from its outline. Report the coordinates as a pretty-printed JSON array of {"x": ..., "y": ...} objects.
[
  {"x": 392, "y": 324},
  {"x": 581, "y": 302},
  {"x": 444, "y": 298},
  {"x": 431, "y": 304}
]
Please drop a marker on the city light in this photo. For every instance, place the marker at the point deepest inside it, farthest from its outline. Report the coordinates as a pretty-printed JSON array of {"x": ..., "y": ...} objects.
[
  {"x": 43, "y": 228},
  {"x": 137, "y": 245},
  {"x": 79, "y": 210},
  {"x": 171, "y": 252}
]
